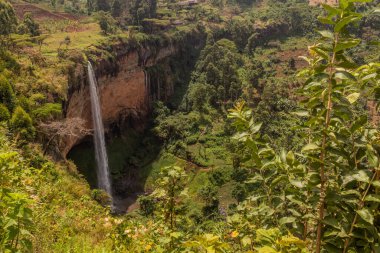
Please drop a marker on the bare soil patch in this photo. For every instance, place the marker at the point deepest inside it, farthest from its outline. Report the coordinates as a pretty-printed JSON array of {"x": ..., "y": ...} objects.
[{"x": 40, "y": 14}]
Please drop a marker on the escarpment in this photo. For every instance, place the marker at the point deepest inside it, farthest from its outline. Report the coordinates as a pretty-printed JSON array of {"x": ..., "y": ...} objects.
[{"x": 128, "y": 84}]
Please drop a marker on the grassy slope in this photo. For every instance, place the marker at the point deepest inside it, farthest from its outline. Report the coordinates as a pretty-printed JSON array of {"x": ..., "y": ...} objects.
[{"x": 66, "y": 218}]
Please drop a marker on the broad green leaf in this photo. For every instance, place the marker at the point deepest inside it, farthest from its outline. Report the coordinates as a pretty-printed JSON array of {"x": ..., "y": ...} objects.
[
  {"x": 353, "y": 97},
  {"x": 332, "y": 222},
  {"x": 373, "y": 160},
  {"x": 345, "y": 21},
  {"x": 361, "y": 176},
  {"x": 301, "y": 113},
  {"x": 286, "y": 220},
  {"x": 296, "y": 183},
  {"x": 366, "y": 215},
  {"x": 376, "y": 183},
  {"x": 176, "y": 235},
  {"x": 326, "y": 34},
  {"x": 290, "y": 158},
  {"x": 267, "y": 249},
  {"x": 320, "y": 52},
  {"x": 255, "y": 127},
  {"x": 331, "y": 10},
  {"x": 370, "y": 76},
  {"x": 210, "y": 249},
  {"x": 310, "y": 147},
  {"x": 246, "y": 241},
  {"x": 344, "y": 75},
  {"x": 343, "y": 4},
  {"x": 360, "y": 122},
  {"x": 373, "y": 198},
  {"x": 349, "y": 43},
  {"x": 327, "y": 21}
]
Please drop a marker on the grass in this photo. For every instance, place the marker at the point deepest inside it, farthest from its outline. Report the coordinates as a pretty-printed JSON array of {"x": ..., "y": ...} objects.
[
  {"x": 224, "y": 195},
  {"x": 65, "y": 217},
  {"x": 85, "y": 36}
]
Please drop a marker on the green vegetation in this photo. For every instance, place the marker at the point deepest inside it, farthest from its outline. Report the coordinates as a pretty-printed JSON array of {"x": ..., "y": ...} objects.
[{"x": 248, "y": 148}]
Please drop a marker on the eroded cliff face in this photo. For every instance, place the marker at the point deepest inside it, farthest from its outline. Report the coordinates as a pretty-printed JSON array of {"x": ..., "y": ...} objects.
[{"x": 126, "y": 90}]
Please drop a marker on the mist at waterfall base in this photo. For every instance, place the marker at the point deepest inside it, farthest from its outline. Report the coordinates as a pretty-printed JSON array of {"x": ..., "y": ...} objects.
[{"x": 103, "y": 175}]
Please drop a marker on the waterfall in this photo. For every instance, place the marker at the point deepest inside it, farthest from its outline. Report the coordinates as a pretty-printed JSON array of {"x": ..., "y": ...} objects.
[{"x": 104, "y": 181}]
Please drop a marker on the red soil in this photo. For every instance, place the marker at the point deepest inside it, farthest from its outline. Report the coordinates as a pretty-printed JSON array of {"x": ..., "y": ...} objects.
[{"x": 39, "y": 13}]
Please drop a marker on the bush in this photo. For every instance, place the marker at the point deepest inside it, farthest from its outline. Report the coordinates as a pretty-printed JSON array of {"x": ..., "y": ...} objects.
[
  {"x": 8, "y": 62},
  {"x": 25, "y": 103},
  {"x": 21, "y": 124},
  {"x": 147, "y": 205},
  {"x": 240, "y": 174},
  {"x": 218, "y": 177},
  {"x": 192, "y": 139},
  {"x": 101, "y": 197},
  {"x": 106, "y": 22},
  {"x": 239, "y": 193},
  {"x": 4, "y": 113},
  {"x": 48, "y": 111},
  {"x": 7, "y": 96}
]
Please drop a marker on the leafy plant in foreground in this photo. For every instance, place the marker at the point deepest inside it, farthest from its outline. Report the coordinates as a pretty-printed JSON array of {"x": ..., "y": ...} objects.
[{"x": 328, "y": 193}]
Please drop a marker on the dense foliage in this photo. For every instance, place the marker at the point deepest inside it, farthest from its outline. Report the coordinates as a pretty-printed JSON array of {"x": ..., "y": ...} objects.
[{"x": 240, "y": 155}]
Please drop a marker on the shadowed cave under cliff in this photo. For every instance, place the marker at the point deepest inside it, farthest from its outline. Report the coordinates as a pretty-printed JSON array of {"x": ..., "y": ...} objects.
[{"x": 130, "y": 155}]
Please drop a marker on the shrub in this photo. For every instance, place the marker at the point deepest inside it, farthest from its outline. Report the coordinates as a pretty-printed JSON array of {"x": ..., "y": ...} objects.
[
  {"x": 8, "y": 62},
  {"x": 4, "y": 113},
  {"x": 47, "y": 111},
  {"x": 147, "y": 205},
  {"x": 21, "y": 124},
  {"x": 25, "y": 103},
  {"x": 32, "y": 27},
  {"x": 101, "y": 197},
  {"x": 7, "y": 96}
]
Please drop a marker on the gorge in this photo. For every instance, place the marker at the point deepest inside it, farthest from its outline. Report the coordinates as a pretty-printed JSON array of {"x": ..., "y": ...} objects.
[
  {"x": 189, "y": 126},
  {"x": 127, "y": 87}
]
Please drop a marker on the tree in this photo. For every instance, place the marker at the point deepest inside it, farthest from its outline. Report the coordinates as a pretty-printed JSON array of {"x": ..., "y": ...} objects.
[
  {"x": 33, "y": 28},
  {"x": 170, "y": 185},
  {"x": 21, "y": 125},
  {"x": 8, "y": 20},
  {"x": 53, "y": 3},
  {"x": 102, "y": 5},
  {"x": 106, "y": 22},
  {"x": 216, "y": 73},
  {"x": 90, "y": 6},
  {"x": 326, "y": 192},
  {"x": 4, "y": 113},
  {"x": 116, "y": 8},
  {"x": 140, "y": 9},
  {"x": 7, "y": 96},
  {"x": 209, "y": 195}
]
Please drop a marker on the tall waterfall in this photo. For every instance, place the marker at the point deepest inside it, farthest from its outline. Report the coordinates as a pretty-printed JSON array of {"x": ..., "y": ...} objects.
[{"x": 104, "y": 181}]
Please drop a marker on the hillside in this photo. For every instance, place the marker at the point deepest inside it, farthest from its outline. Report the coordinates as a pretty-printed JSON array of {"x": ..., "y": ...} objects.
[{"x": 189, "y": 126}]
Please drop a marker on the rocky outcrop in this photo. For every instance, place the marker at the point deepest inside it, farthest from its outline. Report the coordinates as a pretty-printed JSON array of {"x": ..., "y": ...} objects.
[
  {"x": 125, "y": 94},
  {"x": 130, "y": 79}
]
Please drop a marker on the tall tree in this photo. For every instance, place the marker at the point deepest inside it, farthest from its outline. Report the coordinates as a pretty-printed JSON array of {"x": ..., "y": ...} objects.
[
  {"x": 103, "y": 5},
  {"x": 116, "y": 8},
  {"x": 32, "y": 27},
  {"x": 8, "y": 20}
]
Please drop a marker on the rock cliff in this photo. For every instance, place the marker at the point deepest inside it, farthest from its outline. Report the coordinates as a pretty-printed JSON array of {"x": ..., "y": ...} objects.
[{"x": 127, "y": 86}]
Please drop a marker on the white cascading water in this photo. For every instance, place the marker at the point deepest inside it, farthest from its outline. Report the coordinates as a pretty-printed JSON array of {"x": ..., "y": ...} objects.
[{"x": 103, "y": 176}]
